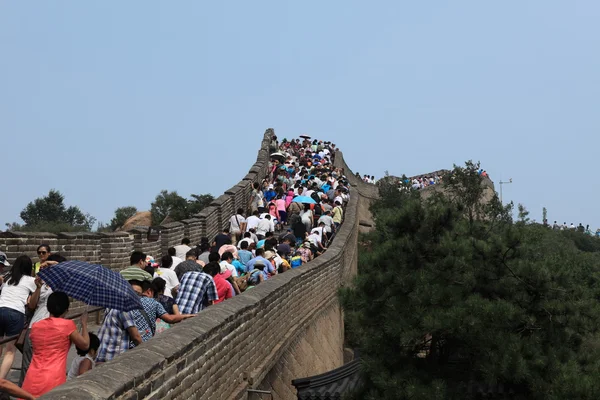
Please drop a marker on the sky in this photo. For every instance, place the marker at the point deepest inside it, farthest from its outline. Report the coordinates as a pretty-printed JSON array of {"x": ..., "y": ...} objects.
[{"x": 111, "y": 102}]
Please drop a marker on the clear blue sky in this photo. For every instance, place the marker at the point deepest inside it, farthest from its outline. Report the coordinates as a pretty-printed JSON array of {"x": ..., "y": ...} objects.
[{"x": 110, "y": 102}]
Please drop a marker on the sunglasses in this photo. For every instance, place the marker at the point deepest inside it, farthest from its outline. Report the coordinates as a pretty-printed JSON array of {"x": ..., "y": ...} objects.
[{"x": 41, "y": 253}]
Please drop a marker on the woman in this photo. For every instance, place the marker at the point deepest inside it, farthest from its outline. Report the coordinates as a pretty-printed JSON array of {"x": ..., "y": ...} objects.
[
  {"x": 307, "y": 217},
  {"x": 43, "y": 252},
  {"x": 281, "y": 209},
  {"x": 19, "y": 290},
  {"x": 51, "y": 339},
  {"x": 159, "y": 285},
  {"x": 40, "y": 313}
]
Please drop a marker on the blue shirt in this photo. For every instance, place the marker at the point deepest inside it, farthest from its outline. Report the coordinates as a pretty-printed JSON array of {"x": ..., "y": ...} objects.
[
  {"x": 239, "y": 267},
  {"x": 268, "y": 266},
  {"x": 245, "y": 256}
]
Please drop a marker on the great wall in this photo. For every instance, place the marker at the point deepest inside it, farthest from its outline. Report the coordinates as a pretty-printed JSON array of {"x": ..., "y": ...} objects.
[{"x": 286, "y": 328}]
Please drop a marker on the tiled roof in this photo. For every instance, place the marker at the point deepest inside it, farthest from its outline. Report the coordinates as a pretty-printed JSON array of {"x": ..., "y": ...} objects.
[{"x": 330, "y": 385}]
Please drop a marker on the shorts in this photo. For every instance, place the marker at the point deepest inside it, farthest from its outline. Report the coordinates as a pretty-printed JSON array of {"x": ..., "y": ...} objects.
[{"x": 11, "y": 322}]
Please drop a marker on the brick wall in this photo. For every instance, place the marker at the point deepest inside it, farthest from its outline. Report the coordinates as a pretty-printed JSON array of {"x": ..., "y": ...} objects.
[{"x": 234, "y": 345}]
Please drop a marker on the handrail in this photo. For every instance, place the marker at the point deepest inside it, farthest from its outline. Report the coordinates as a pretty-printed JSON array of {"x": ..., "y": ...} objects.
[{"x": 74, "y": 316}]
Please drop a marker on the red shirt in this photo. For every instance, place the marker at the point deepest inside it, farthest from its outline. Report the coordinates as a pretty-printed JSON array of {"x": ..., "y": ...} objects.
[{"x": 224, "y": 289}]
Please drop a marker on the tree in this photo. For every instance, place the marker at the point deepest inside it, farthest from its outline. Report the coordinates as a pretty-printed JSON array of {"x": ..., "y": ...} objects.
[
  {"x": 122, "y": 214},
  {"x": 49, "y": 214},
  {"x": 168, "y": 204},
  {"x": 452, "y": 292},
  {"x": 198, "y": 202},
  {"x": 176, "y": 207}
]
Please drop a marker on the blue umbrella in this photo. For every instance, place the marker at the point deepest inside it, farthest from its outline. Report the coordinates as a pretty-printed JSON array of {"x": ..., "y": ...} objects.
[
  {"x": 304, "y": 199},
  {"x": 93, "y": 284}
]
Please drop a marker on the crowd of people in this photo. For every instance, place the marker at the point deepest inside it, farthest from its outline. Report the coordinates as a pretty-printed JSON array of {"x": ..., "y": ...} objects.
[
  {"x": 580, "y": 228},
  {"x": 292, "y": 216}
]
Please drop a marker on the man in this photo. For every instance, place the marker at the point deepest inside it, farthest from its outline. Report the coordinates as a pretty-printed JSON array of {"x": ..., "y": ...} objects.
[
  {"x": 284, "y": 248},
  {"x": 226, "y": 263},
  {"x": 327, "y": 220},
  {"x": 168, "y": 274},
  {"x": 337, "y": 215},
  {"x": 265, "y": 225},
  {"x": 237, "y": 226},
  {"x": 182, "y": 249},
  {"x": 188, "y": 265},
  {"x": 176, "y": 260},
  {"x": 247, "y": 239},
  {"x": 117, "y": 331},
  {"x": 204, "y": 252},
  {"x": 259, "y": 257},
  {"x": 244, "y": 254},
  {"x": 252, "y": 221},
  {"x": 192, "y": 290},
  {"x": 221, "y": 239},
  {"x": 137, "y": 262}
]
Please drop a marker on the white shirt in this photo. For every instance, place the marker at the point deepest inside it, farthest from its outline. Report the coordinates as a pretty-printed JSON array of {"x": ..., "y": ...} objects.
[
  {"x": 181, "y": 250},
  {"x": 248, "y": 240},
  {"x": 226, "y": 266},
  {"x": 74, "y": 370},
  {"x": 252, "y": 222},
  {"x": 15, "y": 296},
  {"x": 314, "y": 238},
  {"x": 328, "y": 222},
  {"x": 264, "y": 226},
  {"x": 170, "y": 277},
  {"x": 176, "y": 262},
  {"x": 318, "y": 231},
  {"x": 235, "y": 221}
]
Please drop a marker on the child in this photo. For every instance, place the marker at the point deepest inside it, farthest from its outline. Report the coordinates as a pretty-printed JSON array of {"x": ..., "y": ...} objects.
[{"x": 85, "y": 359}]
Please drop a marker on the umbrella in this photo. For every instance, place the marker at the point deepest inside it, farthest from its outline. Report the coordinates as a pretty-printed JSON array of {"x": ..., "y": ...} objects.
[
  {"x": 93, "y": 284},
  {"x": 304, "y": 199},
  {"x": 279, "y": 156},
  {"x": 305, "y": 136}
]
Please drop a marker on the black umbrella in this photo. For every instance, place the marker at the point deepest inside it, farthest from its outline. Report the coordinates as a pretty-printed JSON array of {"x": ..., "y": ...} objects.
[{"x": 305, "y": 136}]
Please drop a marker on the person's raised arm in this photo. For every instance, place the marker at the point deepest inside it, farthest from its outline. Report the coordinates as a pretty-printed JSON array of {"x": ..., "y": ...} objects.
[
  {"x": 35, "y": 296},
  {"x": 81, "y": 340}
]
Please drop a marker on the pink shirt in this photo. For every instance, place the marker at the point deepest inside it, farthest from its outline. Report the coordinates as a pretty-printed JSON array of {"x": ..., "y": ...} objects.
[{"x": 280, "y": 203}]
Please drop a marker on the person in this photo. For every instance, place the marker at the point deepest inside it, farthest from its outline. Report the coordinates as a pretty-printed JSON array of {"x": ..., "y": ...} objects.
[
  {"x": 165, "y": 272},
  {"x": 176, "y": 260},
  {"x": 224, "y": 288},
  {"x": 237, "y": 225},
  {"x": 16, "y": 295},
  {"x": 43, "y": 252},
  {"x": 252, "y": 221},
  {"x": 264, "y": 225},
  {"x": 41, "y": 312},
  {"x": 183, "y": 248},
  {"x": 307, "y": 217},
  {"x": 14, "y": 390},
  {"x": 117, "y": 330},
  {"x": 194, "y": 287},
  {"x": 256, "y": 275},
  {"x": 221, "y": 239},
  {"x": 188, "y": 265},
  {"x": 204, "y": 252},
  {"x": 145, "y": 320},
  {"x": 244, "y": 254},
  {"x": 338, "y": 215},
  {"x": 267, "y": 266},
  {"x": 137, "y": 261},
  {"x": 51, "y": 339},
  {"x": 256, "y": 198},
  {"x": 86, "y": 358}
]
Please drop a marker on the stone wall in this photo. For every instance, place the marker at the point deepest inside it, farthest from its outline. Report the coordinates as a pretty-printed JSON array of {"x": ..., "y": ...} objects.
[{"x": 240, "y": 344}]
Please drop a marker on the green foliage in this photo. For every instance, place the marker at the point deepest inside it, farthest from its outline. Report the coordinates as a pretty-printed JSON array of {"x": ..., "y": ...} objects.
[
  {"x": 49, "y": 214},
  {"x": 122, "y": 214},
  {"x": 451, "y": 291},
  {"x": 176, "y": 207}
]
